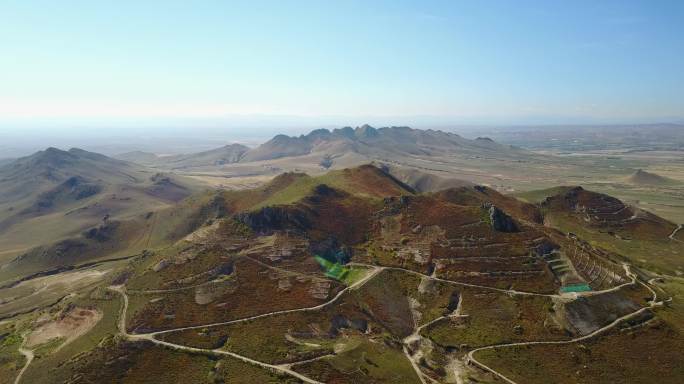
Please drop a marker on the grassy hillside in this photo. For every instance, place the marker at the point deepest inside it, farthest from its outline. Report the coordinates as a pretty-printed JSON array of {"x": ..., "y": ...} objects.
[
  {"x": 348, "y": 277},
  {"x": 54, "y": 195},
  {"x": 608, "y": 223}
]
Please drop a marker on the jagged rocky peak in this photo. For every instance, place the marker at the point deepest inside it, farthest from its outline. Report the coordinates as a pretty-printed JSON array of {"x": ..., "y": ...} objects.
[
  {"x": 501, "y": 221},
  {"x": 320, "y": 133},
  {"x": 271, "y": 218},
  {"x": 281, "y": 138},
  {"x": 347, "y": 132},
  {"x": 365, "y": 131}
]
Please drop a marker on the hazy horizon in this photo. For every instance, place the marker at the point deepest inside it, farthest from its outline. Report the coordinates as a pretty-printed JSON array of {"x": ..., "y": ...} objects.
[
  {"x": 83, "y": 65},
  {"x": 169, "y": 76},
  {"x": 190, "y": 138}
]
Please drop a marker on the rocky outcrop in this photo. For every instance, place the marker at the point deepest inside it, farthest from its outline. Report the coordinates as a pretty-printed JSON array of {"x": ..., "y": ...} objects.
[
  {"x": 454, "y": 299},
  {"x": 587, "y": 314},
  {"x": 209, "y": 293},
  {"x": 545, "y": 247},
  {"x": 500, "y": 221},
  {"x": 339, "y": 322},
  {"x": 269, "y": 219},
  {"x": 162, "y": 264},
  {"x": 331, "y": 250},
  {"x": 321, "y": 193},
  {"x": 326, "y": 162},
  {"x": 394, "y": 205},
  {"x": 320, "y": 289},
  {"x": 102, "y": 233},
  {"x": 217, "y": 208}
]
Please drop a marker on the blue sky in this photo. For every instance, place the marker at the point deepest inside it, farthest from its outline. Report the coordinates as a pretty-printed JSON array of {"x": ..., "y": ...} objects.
[{"x": 446, "y": 62}]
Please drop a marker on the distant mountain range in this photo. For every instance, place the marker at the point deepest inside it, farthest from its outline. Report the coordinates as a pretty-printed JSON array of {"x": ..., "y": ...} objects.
[
  {"x": 326, "y": 146},
  {"x": 370, "y": 141}
]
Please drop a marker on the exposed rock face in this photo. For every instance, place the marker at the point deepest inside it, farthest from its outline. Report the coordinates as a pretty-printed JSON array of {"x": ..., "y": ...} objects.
[
  {"x": 501, "y": 221},
  {"x": 206, "y": 294},
  {"x": 567, "y": 199},
  {"x": 68, "y": 325},
  {"x": 587, "y": 314},
  {"x": 271, "y": 218},
  {"x": 453, "y": 301},
  {"x": 80, "y": 188},
  {"x": 545, "y": 247},
  {"x": 285, "y": 284},
  {"x": 330, "y": 249},
  {"x": 103, "y": 232},
  {"x": 320, "y": 289},
  {"x": 326, "y": 162},
  {"x": 395, "y": 204},
  {"x": 366, "y": 131},
  {"x": 340, "y": 322},
  {"x": 163, "y": 263},
  {"x": 215, "y": 209}
]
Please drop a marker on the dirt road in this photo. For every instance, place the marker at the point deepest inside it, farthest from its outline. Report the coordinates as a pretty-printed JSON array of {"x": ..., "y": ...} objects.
[
  {"x": 28, "y": 353},
  {"x": 283, "y": 368},
  {"x": 471, "y": 354},
  {"x": 674, "y": 233},
  {"x": 354, "y": 286},
  {"x": 150, "y": 337}
]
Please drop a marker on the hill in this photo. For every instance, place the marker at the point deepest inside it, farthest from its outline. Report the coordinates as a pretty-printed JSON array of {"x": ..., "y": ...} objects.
[
  {"x": 641, "y": 177},
  {"x": 124, "y": 235},
  {"x": 54, "y": 194},
  {"x": 639, "y": 236},
  {"x": 423, "y": 181},
  {"x": 349, "y": 276},
  {"x": 227, "y": 154}
]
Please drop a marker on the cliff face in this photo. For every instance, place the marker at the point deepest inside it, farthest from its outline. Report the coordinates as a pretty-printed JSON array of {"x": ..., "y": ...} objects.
[
  {"x": 269, "y": 219},
  {"x": 501, "y": 221}
]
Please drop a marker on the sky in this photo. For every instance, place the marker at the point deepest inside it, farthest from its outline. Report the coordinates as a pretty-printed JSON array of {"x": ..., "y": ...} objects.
[{"x": 72, "y": 65}]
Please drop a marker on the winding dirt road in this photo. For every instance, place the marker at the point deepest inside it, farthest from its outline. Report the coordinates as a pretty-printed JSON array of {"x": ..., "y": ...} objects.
[
  {"x": 282, "y": 368},
  {"x": 354, "y": 286},
  {"x": 414, "y": 358},
  {"x": 471, "y": 355},
  {"x": 28, "y": 353},
  {"x": 285, "y": 368},
  {"x": 374, "y": 271},
  {"x": 512, "y": 291}
]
